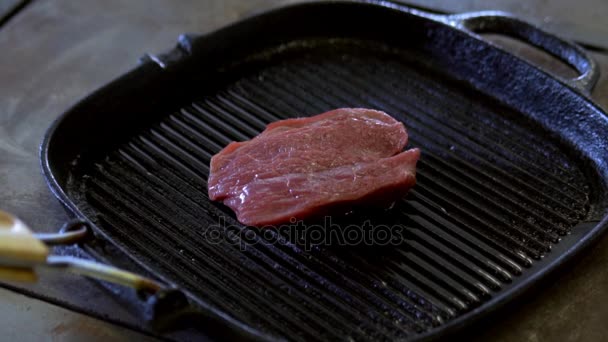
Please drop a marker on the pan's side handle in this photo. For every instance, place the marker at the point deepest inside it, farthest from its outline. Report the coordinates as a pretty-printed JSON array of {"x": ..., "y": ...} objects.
[{"x": 504, "y": 23}]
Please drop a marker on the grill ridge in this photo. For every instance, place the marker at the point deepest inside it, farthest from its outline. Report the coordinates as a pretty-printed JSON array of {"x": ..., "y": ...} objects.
[
  {"x": 488, "y": 249},
  {"x": 332, "y": 271},
  {"x": 552, "y": 218},
  {"x": 489, "y": 207},
  {"x": 436, "y": 246}
]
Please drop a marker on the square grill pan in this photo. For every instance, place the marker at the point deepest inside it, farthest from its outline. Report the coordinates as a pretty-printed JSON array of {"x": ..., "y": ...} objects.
[{"x": 511, "y": 183}]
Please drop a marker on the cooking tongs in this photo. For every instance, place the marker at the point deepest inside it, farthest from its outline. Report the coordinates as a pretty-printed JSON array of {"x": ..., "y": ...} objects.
[{"x": 23, "y": 252}]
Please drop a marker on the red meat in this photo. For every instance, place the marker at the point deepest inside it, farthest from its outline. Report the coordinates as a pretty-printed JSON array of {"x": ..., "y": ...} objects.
[{"x": 306, "y": 167}]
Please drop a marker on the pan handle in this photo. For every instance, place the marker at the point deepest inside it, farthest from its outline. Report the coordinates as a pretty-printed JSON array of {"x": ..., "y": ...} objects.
[{"x": 504, "y": 23}]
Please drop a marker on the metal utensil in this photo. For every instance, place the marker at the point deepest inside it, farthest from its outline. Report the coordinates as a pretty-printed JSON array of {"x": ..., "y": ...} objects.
[{"x": 23, "y": 252}]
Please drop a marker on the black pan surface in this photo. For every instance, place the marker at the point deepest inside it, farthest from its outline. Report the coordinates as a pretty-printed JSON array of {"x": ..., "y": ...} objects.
[{"x": 511, "y": 183}]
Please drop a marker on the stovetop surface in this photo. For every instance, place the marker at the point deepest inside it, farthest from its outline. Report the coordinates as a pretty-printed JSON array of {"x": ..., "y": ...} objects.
[{"x": 87, "y": 44}]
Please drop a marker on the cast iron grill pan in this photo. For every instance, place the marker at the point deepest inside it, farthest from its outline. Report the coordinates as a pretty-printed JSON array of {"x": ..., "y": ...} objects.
[{"x": 500, "y": 196}]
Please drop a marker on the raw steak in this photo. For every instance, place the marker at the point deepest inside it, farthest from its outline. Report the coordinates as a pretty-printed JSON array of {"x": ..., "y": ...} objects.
[{"x": 300, "y": 168}]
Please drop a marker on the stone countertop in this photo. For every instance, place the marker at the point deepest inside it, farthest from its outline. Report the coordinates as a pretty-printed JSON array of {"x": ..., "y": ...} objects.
[{"x": 54, "y": 52}]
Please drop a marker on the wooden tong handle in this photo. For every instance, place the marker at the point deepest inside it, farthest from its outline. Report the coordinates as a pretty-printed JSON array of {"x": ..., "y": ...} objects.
[{"x": 20, "y": 250}]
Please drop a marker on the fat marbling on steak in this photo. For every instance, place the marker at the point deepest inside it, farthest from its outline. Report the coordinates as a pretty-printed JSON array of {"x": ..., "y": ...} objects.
[{"x": 306, "y": 167}]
